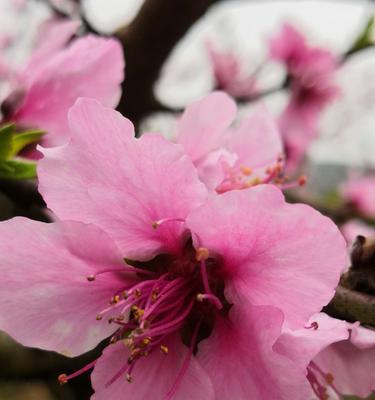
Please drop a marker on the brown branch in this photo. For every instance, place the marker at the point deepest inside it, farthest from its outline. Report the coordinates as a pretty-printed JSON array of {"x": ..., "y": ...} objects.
[
  {"x": 352, "y": 306},
  {"x": 147, "y": 43}
]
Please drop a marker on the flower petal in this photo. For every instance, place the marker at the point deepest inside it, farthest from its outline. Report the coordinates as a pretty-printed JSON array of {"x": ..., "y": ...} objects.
[
  {"x": 239, "y": 359},
  {"x": 351, "y": 363},
  {"x": 72, "y": 73},
  {"x": 153, "y": 375},
  {"x": 273, "y": 253},
  {"x": 302, "y": 345},
  {"x": 47, "y": 301},
  {"x": 202, "y": 125},
  {"x": 107, "y": 177},
  {"x": 54, "y": 35},
  {"x": 257, "y": 141}
]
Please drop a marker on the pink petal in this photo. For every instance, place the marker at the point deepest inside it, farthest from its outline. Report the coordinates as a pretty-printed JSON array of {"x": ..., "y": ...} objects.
[
  {"x": 54, "y": 35},
  {"x": 122, "y": 184},
  {"x": 153, "y": 375},
  {"x": 360, "y": 191},
  {"x": 257, "y": 141},
  {"x": 302, "y": 345},
  {"x": 47, "y": 301},
  {"x": 273, "y": 253},
  {"x": 351, "y": 363},
  {"x": 239, "y": 359},
  {"x": 203, "y": 123},
  {"x": 74, "y": 72}
]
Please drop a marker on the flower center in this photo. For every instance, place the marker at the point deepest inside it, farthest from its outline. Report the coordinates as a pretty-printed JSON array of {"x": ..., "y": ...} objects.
[{"x": 173, "y": 294}]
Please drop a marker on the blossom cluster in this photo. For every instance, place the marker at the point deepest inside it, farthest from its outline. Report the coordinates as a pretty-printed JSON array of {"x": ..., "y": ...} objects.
[{"x": 182, "y": 254}]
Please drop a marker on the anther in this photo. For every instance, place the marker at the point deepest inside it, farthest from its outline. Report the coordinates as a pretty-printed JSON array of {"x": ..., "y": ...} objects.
[
  {"x": 246, "y": 170},
  {"x": 129, "y": 378},
  {"x": 314, "y": 325},
  {"x": 99, "y": 317},
  {"x": 63, "y": 379},
  {"x": 164, "y": 349},
  {"x": 329, "y": 378},
  {"x": 90, "y": 278},
  {"x": 302, "y": 180},
  {"x": 202, "y": 254}
]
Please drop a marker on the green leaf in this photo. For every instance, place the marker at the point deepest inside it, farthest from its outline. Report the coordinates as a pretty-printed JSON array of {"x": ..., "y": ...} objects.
[
  {"x": 21, "y": 140},
  {"x": 365, "y": 39},
  {"x": 16, "y": 169},
  {"x": 6, "y": 134}
]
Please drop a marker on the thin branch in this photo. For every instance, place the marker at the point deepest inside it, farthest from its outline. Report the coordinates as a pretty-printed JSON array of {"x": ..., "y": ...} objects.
[
  {"x": 147, "y": 43},
  {"x": 352, "y": 306}
]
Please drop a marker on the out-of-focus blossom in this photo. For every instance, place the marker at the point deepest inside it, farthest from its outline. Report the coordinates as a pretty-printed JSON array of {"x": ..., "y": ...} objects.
[
  {"x": 355, "y": 227},
  {"x": 230, "y": 158},
  {"x": 58, "y": 72},
  {"x": 208, "y": 284},
  {"x": 230, "y": 74},
  {"x": 360, "y": 193},
  {"x": 310, "y": 76}
]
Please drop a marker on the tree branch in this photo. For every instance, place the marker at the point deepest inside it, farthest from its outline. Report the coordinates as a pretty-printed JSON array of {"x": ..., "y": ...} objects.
[
  {"x": 147, "y": 43},
  {"x": 352, "y": 306}
]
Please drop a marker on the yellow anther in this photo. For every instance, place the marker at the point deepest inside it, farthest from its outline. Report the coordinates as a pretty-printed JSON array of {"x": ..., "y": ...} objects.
[
  {"x": 125, "y": 294},
  {"x": 329, "y": 378},
  {"x": 200, "y": 297},
  {"x": 202, "y": 254},
  {"x": 99, "y": 317},
  {"x": 246, "y": 170},
  {"x": 164, "y": 349},
  {"x": 154, "y": 295},
  {"x": 116, "y": 299},
  {"x": 146, "y": 341},
  {"x": 137, "y": 293}
]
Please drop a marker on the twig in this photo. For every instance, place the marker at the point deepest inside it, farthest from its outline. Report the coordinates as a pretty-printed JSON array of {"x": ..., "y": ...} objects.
[{"x": 147, "y": 43}]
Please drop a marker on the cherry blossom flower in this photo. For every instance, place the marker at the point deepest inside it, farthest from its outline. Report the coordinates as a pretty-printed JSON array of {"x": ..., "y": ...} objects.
[
  {"x": 193, "y": 289},
  {"x": 228, "y": 157},
  {"x": 230, "y": 74},
  {"x": 310, "y": 74},
  {"x": 57, "y": 73},
  {"x": 360, "y": 193},
  {"x": 342, "y": 356},
  {"x": 348, "y": 365}
]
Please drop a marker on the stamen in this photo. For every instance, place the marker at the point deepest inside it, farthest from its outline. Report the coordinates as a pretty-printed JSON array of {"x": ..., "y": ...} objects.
[
  {"x": 210, "y": 297},
  {"x": 64, "y": 378},
  {"x": 156, "y": 224},
  {"x": 126, "y": 268},
  {"x": 185, "y": 364}
]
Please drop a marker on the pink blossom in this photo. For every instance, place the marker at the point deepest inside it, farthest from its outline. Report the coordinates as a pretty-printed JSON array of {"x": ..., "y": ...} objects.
[
  {"x": 59, "y": 72},
  {"x": 208, "y": 284},
  {"x": 311, "y": 73},
  {"x": 350, "y": 363},
  {"x": 360, "y": 193},
  {"x": 355, "y": 227},
  {"x": 342, "y": 356},
  {"x": 230, "y": 74},
  {"x": 230, "y": 158}
]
